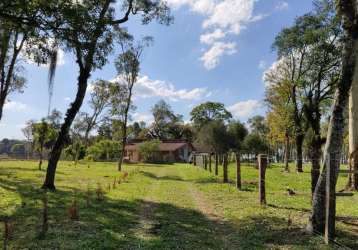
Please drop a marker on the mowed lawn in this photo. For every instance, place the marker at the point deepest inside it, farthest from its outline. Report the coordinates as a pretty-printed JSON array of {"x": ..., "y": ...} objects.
[{"x": 164, "y": 207}]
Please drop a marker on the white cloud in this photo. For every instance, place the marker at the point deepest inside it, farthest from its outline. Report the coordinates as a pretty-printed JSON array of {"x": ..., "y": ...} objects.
[
  {"x": 232, "y": 15},
  {"x": 277, "y": 72},
  {"x": 211, "y": 58},
  {"x": 282, "y": 5},
  {"x": 210, "y": 38},
  {"x": 146, "y": 87},
  {"x": 221, "y": 19},
  {"x": 140, "y": 117},
  {"x": 245, "y": 109},
  {"x": 15, "y": 106}
]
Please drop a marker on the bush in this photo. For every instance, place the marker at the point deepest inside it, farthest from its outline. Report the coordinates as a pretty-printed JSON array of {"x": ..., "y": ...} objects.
[
  {"x": 104, "y": 150},
  {"x": 147, "y": 150}
]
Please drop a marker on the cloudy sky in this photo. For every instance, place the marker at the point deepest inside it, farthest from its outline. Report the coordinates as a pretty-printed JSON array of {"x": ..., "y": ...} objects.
[{"x": 216, "y": 50}]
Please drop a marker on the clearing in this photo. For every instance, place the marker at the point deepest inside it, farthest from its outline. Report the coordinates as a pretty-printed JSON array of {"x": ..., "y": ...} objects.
[{"x": 175, "y": 206}]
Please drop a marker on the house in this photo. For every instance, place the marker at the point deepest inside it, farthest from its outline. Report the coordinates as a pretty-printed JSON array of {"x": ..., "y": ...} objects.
[{"x": 168, "y": 151}]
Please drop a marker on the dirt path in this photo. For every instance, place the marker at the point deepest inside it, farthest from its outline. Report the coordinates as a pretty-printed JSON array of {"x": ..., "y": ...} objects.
[
  {"x": 216, "y": 217},
  {"x": 146, "y": 228}
]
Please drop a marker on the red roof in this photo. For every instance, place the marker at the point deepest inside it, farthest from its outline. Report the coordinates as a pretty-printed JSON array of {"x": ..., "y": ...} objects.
[{"x": 163, "y": 146}]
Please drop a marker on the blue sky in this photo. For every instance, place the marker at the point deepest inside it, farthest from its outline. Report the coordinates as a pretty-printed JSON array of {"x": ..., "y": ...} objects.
[{"x": 211, "y": 52}]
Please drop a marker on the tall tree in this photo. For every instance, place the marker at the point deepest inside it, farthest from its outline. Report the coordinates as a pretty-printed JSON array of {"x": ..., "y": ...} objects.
[
  {"x": 28, "y": 132},
  {"x": 332, "y": 152},
  {"x": 89, "y": 28},
  {"x": 12, "y": 40},
  {"x": 237, "y": 132},
  {"x": 41, "y": 137},
  {"x": 99, "y": 101},
  {"x": 207, "y": 112},
  {"x": 128, "y": 67},
  {"x": 166, "y": 124},
  {"x": 309, "y": 63},
  {"x": 215, "y": 136}
]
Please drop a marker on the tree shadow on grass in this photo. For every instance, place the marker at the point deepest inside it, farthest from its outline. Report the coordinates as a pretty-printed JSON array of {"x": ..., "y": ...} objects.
[
  {"x": 165, "y": 177},
  {"x": 116, "y": 224},
  {"x": 289, "y": 208}
]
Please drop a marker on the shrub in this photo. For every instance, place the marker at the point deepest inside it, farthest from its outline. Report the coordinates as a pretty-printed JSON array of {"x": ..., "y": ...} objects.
[
  {"x": 103, "y": 150},
  {"x": 148, "y": 149}
]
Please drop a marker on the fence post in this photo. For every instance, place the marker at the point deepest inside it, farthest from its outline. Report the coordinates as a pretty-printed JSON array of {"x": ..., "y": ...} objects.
[
  {"x": 205, "y": 162},
  {"x": 216, "y": 164},
  {"x": 238, "y": 170},
  {"x": 194, "y": 159},
  {"x": 330, "y": 201},
  {"x": 225, "y": 165},
  {"x": 262, "y": 160},
  {"x": 210, "y": 163}
]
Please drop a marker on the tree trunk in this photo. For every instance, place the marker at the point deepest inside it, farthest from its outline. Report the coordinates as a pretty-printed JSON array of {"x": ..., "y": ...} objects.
[
  {"x": 2, "y": 103},
  {"x": 216, "y": 164},
  {"x": 353, "y": 133},
  {"x": 299, "y": 151},
  {"x": 238, "y": 170},
  {"x": 55, "y": 154},
  {"x": 76, "y": 155},
  {"x": 332, "y": 151},
  {"x": 287, "y": 152},
  {"x": 225, "y": 166},
  {"x": 40, "y": 161},
  {"x": 315, "y": 160},
  {"x": 122, "y": 151}
]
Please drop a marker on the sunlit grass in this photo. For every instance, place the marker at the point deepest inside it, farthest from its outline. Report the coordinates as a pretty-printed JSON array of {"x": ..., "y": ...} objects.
[{"x": 162, "y": 207}]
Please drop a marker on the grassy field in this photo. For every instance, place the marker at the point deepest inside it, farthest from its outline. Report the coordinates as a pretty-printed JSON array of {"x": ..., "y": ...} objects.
[{"x": 164, "y": 207}]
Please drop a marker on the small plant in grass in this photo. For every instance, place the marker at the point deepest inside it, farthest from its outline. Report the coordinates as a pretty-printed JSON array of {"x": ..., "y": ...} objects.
[
  {"x": 109, "y": 187},
  {"x": 125, "y": 176},
  {"x": 99, "y": 192},
  {"x": 44, "y": 226},
  {"x": 73, "y": 209},
  {"x": 8, "y": 231},
  {"x": 114, "y": 183}
]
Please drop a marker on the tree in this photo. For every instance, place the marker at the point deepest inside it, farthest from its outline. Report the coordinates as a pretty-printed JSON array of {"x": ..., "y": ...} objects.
[
  {"x": 237, "y": 132},
  {"x": 280, "y": 131},
  {"x": 309, "y": 63},
  {"x": 148, "y": 149},
  {"x": 89, "y": 28},
  {"x": 13, "y": 38},
  {"x": 18, "y": 149},
  {"x": 258, "y": 125},
  {"x": 55, "y": 119},
  {"x": 167, "y": 124},
  {"x": 104, "y": 150},
  {"x": 207, "y": 112},
  {"x": 41, "y": 137},
  {"x": 137, "y": 129},
  {"x": 128, "y": 67},
  {"x": 332, "y": 152},
  {"x": 77, "y": 136},
  {"x": 215, "y": 135},
  {"x": 99, "y": 101},
  {"x": 255, "y": 144},
  {"x": 28, "y": 132}
]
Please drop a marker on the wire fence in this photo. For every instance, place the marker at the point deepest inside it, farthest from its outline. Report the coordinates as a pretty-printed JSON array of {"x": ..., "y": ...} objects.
[{"x": 200, "y": 161}]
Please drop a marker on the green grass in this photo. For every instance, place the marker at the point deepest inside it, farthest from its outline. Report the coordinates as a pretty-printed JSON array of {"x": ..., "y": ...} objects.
[{"x": 164, "y": 207}]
